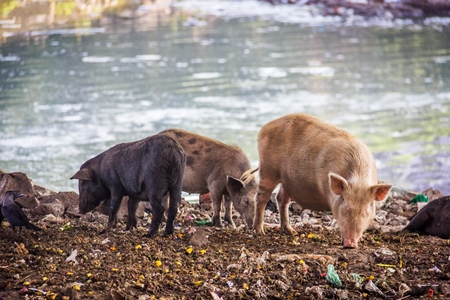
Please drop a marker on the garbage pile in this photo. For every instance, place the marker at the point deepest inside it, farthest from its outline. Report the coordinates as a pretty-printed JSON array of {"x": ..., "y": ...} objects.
[{"x": 69, "y": 259}]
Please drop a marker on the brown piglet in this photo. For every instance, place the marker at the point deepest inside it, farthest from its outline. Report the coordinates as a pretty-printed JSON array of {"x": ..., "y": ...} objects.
[
  {"x": 221, "y": 169},
  {"x": 321, "y": 167}
]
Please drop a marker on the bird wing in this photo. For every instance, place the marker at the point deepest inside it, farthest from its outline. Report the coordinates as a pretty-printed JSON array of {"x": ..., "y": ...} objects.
[{"x": 14, "y": 214}]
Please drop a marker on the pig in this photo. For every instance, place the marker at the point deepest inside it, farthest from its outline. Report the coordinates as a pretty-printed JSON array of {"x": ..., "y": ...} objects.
[
  {"x": 145, "y": 170},
  {"x": 221, "y": 169},
  {"x": 320, "y": 167},
  {"x": 433, "y": 219}
]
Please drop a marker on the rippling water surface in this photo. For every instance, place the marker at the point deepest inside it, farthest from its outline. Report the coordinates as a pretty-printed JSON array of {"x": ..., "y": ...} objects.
[{"x": 224, "y": 69}]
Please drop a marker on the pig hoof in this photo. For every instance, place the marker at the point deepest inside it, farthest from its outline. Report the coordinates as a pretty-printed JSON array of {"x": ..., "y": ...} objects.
[
  {"x": 168, "y": 234},
  {"x": 151, "y": 234},
  {"x": 289, "y": 230},
  {"x": 260, "y": 231},
  {"x": 129, "y": 228},
  {"x": 231, "y": 224}
]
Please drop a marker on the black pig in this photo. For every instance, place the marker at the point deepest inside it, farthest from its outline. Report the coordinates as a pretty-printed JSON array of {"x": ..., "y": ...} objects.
[
  {"x": 433, "y": 219},
  {"x": 144, "y": 170}
]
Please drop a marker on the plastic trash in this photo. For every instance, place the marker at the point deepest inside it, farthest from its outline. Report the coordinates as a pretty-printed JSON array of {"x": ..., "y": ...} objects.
[
  {"x": 234, "y": 266},
  {"x": 371, "y": 287},
  {"x": 261, "y": 261},
  {"x": 202, "y": 222},
  {"x": 72, "y": 257},
  {"x": 435, "y": 270},
  {"x": 356, "y": 277},
  {"x": 315, "y": 290},
  {"x": 419, "y": 198},
  {"x": 333, "y": 277},
  {"x": 215, "y": 296}
]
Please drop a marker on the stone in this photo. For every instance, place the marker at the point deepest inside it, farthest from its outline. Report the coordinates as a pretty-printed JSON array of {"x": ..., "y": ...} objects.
[
  {"x": 69, "y": 201},
  {"x": 199, "y": 238},
  {"x": 122, "y": 214},
  {"x": 444, "y": 288},
  {"x": 55, "y": 208},
  {"x": 18, "y": 181}
]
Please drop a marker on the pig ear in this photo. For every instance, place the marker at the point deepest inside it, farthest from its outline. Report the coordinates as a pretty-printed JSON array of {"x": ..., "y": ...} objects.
[
  {"x": 380, "y": 191},
  {"x": 83, "y": 174},
  {"x": 234, "y": 185},
  {"x": 337, "y": 183}
]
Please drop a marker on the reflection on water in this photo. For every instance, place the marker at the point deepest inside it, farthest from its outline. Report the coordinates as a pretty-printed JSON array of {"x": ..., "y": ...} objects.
[{"x": 66, "y": 96}]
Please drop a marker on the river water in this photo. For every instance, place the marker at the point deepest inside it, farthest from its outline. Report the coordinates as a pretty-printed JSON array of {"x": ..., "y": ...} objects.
[{"x": 224, "y": 69}]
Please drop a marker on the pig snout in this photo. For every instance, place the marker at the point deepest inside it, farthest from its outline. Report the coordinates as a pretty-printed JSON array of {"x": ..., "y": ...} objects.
[
  {"x": 249, "y": 222},
  {"x": 350, "y": 243}
]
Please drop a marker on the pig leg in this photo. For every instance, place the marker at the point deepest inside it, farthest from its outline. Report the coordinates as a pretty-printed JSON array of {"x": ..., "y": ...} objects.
[
  {"x": 166, "y": 203},
  {"x": 228, "y": 211},
  {"x": 157, "y": 214},
  {"x": 264, "y": 192},
  {"x": 132, "y": 207},
  {"x": 172, "y": 209},
  {"x": 216, "y": 199},
  {"x": 283, "y": 200},
  {"x": 116, "y": 199}
]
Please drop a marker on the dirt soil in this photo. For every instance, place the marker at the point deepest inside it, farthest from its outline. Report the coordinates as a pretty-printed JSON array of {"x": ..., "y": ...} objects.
[{"x": 204, "y": 262}]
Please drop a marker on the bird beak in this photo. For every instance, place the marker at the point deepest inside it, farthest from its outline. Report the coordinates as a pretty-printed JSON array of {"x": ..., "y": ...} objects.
[{"x": 19, "y": 195}]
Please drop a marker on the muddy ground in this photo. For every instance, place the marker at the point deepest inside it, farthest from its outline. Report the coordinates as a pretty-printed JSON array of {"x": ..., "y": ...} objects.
[{"x": 203, "y": 262}]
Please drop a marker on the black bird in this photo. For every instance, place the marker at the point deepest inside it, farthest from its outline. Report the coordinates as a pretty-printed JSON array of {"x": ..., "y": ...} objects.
[{"x": 13, "y": 213}]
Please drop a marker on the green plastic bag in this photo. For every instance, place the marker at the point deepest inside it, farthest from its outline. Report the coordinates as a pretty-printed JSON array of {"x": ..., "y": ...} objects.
[
  {"x": 419, "y": 198},
  {"x": 333, "y": 277},
  {"x": 202, "y": 223}
]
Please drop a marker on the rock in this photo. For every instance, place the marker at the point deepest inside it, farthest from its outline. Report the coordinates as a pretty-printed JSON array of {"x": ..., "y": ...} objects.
[
  {"x": 199, "y": 238},
  {"x": 55, "y": 208},
  {"x": 296, "y": 208},
  {"x": 72, "y": 293},
  {"x": 18, "y": 181},
  {"x": 122, "y": 214},
  {"x": 115, "y": 295},
  {"x": 272, "y": 204},
  {"x": 69, "y": 201},
  {"x": 444, "y": 288},
  {"x": 103, "y": 208},
  {"x": 315, "y": 291},
  {"x": 94, "y": 217},
  {"x": 399, "y": 193},
  {"x": 430, "y": 7},
  {"x": 205, "y": 201},
  {"x": 42, "y": 191},
  {"x": 432, "y": 194}
]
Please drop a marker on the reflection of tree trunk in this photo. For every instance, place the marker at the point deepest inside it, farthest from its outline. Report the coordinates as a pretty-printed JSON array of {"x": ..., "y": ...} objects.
[{"x": 52, "y": 12}]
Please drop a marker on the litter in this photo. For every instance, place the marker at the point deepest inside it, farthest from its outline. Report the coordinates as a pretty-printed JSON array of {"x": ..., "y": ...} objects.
[
  {"x": 333, "y": 277},
  {"x": 371, "y": 287},
  {"x": 72, "y": 257}
]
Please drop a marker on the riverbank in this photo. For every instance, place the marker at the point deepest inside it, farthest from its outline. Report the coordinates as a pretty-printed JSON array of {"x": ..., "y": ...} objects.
[
  {"x": 408, "y": 9},
  {"x": 18, "y": 16}
]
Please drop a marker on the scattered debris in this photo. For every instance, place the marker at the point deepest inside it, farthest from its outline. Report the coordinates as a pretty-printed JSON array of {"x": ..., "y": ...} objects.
[{"x": 69, "y": 259}]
